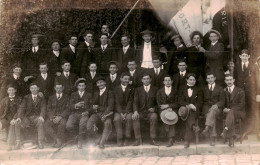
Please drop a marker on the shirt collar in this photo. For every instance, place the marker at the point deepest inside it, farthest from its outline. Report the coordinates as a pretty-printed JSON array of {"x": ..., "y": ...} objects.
[
  {"x": 149, "y": 43},
  {"x": 114, "y": 75},
  {"x": 87, "y": 43},
  {"x": 44, "y": 74},
  {"x": 123, "y": 86},
  {"x": 66, "y": 73},
  {"x": 214, "y": 43},
  {"x": 126, "y": 47},
  {"x": 232, "y": 88},
  {"x": 213, "y": 85},
  {"x": 36, "y": 48},
  {"x": 184, "y": 72},
  {"x": 81, "y": 93},
  {"x": 105, "y": 46},
  {"x": 12, "y": 97},
  {"x": 15, "y": 76},
  {"x": 168, "y": 88},
  {"x": 102, "y": 90},
  {"x": 132, "y": 71},
  {"x": 72, "y": 47},
  {"x": 157, "y": 68},
  {"x": 181, "y": 45},
  {"x": 34, "y": 95},
  {"x": 58, "y": 95},
  {"x": 148, "y": 86},
  {"x": 245, "y": 63}
]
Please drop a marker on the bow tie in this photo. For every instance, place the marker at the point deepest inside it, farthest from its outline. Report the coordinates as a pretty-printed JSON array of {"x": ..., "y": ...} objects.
[{"x": 190, "y": 87}]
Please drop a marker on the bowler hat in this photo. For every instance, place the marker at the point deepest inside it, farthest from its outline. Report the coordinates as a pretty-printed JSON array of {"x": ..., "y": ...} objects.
[
  {"x": 175, "y": 36},
  {"x": 100, "y": 78},
  {"x": 147, "y": 32},
  {"x": 169, "y": 117}
]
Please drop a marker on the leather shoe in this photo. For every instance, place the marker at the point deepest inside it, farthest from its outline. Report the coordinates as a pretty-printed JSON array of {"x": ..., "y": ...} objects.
[
  {"x": 40, "y": 145},
  {"x": 154, "y": 142},
  {"x": 170, "y": 142},
  {"x": 137, "y": 142},
  {"x": 18, "y": 145},
  {"x": 186, "y": 144}
]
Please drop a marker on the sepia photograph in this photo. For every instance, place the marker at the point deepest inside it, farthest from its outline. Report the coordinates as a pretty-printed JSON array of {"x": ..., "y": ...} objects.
[{"x": 130, "y": 82}]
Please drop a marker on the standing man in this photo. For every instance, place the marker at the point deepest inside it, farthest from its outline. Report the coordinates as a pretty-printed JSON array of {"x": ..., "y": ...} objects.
[
  {"x": 234, "y": 108},
  {"x": 145, "y": 110},
  {"x": 179, "y": 79},
  {"x": 102, "y": 110},
  {"x": 69, "y": 52},
  {"x": 91, "y": 76},
  {"x": 135, "y": 73},
  {"x": 113, "y": 79},
  {"x": 125, "y": 53},
  {"x": 124, "y": 96},
  {"x": 213, "y": 102},
  {"x": 157, "y": 73},
  {"x": 54, "y": 60},
  {"x": 31, "y": 113}
]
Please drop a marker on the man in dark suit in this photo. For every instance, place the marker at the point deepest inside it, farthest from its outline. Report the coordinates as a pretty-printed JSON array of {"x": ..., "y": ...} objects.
[
  {"x": 179, "y": 79},
  {"x": 44, "y": 81},
  {"x": 135, "y": 73},
  {"x": 190, "y": 100},
  {"x": 8, "y": 113},
  {"x": 124, "y": 96},
  {"x": 113, "y": 79},
  {"x": 157, "y": 73},
  {"x": 90, "y": 77},
  {"x": 85, "y": 53},
  {"x": 213, "y": 102},
  {"x": 234, "y": 108},
  {"x": 145, "y": 110},
  {"x": 104, "y": 54},
  {"x": 57, "y": 115},
  {"x": 31, "y": 113},
  {"x": 125, "y": 53},
  {"x": 102, "y": 110},
  {"x": 167, "y": 99},
  {"x": 32, "y": 58},
  {"x": 54, "y": 60},
  {"x": 67, "y": 78},
  {"x": 68, "y": 53},
  {"x": 79, "y": 105},
  {"x": 15, "y": 78}
]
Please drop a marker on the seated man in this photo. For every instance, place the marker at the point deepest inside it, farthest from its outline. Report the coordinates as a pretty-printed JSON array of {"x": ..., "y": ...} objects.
[
  {"x": 234, "y": 108},
  {"x": 103, "y": 106},
  {"x": 113, "y": 79},
  {"x": 145, "y": 109},
  {"x": 190, "y": 100},
  {"x": 213, "y": 102},
  {"x": 80, "y": 103},
  {"x": 167, "y": 101},
  {"x": 8, "y": 113},
  {"x": 31, "y": 113},
  {"x": 57, "y": 115},
  {"x": 124, "y": 96}
]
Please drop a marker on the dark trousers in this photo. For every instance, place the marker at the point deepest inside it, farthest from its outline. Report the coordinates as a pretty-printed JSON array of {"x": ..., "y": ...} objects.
[
  {"x": 10, "y": 130},
  {"x": 151, "y": 118},
  {"x": 56, "y": 131},
  {"x": 77, "y": 124},
  {"x": 27, "y": 122},
  {"x": 211, "y": 121},
  {"x": 230, "y": 118},
  {"x": 95, "y": 119},
  {"x": 170, "y": 130},
  {"x": 120, "y": 123}
]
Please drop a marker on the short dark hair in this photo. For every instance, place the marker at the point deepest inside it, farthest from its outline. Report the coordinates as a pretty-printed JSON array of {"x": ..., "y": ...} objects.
[
  {"x": 146, "y": 74},
  {"x": 92, "y": 63},
  {"x": 64, "y": 62},
  {"x": 181, "y": 61},
  {"x": 87, "y": 32},
  {"x": 125, "y": 74},
  {"x": 210, "y": 73},
  {"x": 125, "y": 35},
  {"x": 43, "y": 63},
  {"x": 245, "y": 51},
  {"x": 229, "y": 75},
  {"x": 157, "y": 57},
  {"x": 33, "y": 83},
  {"x": 196, "y": 33},
  {"x": 72, "y": 35},
  {"x": 81, "y": 81},
  {"x": 167, "y": 76},
  {"x": 191, "y": 74},
  {"x": 131, "y": 60},
  {"x": 103, "y": 34}
]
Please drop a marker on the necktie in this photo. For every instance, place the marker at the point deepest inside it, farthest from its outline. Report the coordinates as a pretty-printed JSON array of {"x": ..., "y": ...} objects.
[
  {"x": 103, "y": 48},
  {"x": 34, "y": 50},
  {"x": 211, "y": 89},
  {"x": 34, "y": 98},
  {"x": 146, "y": 89},
  {"x": 58, "y": 96},
  {"x": 92, "y": 75},
  {"x": 229, "y": 89},
  {"x": 124, "y": 49},
  {"x": 181, "y": 75},
  {"x": 67, "y": 75},
  {"x": 156, "y": 72},
  {"x": 112, "y": 78},
  {"x": 244, "y": 67}
]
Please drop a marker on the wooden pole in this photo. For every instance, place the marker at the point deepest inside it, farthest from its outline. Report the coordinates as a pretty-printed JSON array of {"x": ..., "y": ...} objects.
[{"x": 231, "y": 37}]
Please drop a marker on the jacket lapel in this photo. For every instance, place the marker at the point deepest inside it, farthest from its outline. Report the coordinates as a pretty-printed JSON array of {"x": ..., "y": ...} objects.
[{"x": 233, "y": 94}]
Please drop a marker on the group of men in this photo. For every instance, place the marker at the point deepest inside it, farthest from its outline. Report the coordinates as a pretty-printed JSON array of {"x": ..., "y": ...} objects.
[{"x": 83, "y": 90}]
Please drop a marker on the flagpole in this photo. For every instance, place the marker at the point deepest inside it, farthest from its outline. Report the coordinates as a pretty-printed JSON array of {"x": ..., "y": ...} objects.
[
  {"x": 231, "y": 37},
  {"x": 124, "y": 19}
]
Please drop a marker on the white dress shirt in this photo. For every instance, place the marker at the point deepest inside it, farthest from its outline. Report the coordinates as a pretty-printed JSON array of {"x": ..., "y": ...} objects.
[
  {"x": 34, "y": 97},
  {"x": 167, "y": 90},
  {"x": 158, "y": 69},
  {"x": 36, "y": 48},
  {"x": 81, "y": 94},
  {"x": 230, "y": 89},
  {"x": 132, "y": 73},
  {"x": 213, "y": 86},
  {"x": 181, "y": 45},
  {"x": 246, "y": 63},
  {"x": 125, "y": 48},
  {"x": 190, "y": 91},
  {"x": 147, "y": 56},
  {"x": 72, "y": 48},
  {"x": 92, "y": 74},
  {"x": 123, "y": 87},
  {"x": 87, "y": 43},
  {"x": 103, "y": 47},
  {"x": 183, "y": 73},
  {"x": 212, "y": 44},
  {"x": 15, "y": 76},
  {"x": 101, "y": 91},
  {"x": 66, "y": 74},
  {"x": 56, "y": 53},
  {"x": 59, "y": 96},
  {"x": 147, "y": 88},
  {"x": 113, "y": 77},
  {"x": 44, "y": 75}
]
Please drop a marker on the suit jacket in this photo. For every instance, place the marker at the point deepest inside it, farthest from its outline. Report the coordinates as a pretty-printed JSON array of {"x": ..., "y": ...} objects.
[
  {"x": 111, "y": 85},
  {"x": 178, "y": 81},
  {"x": 157, "y": 80},
  {"x": 54, "y": 63},
  {"x": 196, "y": 99},
  {"x": 20, "y": 85},
  {"x": 46, "y": 86},
  {"x": 123, "y": 58},
  {"x": 91, "y": 84},
  {"x": 75, "y": 98},
  {"x": 5, "y": 108},
  {"x": 136, "y": 78},
  {"x": 217, "y": 97},
  {"x": 235, "y": 101},
  {"x": 30, "y": 61},
  {"x": 68, "y": 55},
  {"x": 29, "y": 107},
  {"x": 140, "y": 102},
  {"x": 171, "y": 99},
  {"x": 119, "y": 99},
  {"x": 195, "y": 61},
  {"x": 108, "y": 101},
  {"x": 57, "y": 107},
  {"x": 85, "y": 55},
  {"x": 68, "y": 83},
  {"x": 103, "y": 57}
]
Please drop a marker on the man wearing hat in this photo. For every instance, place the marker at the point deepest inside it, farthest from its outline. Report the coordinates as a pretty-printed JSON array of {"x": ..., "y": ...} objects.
[
  {"x": 68, "y": 53},
  {"x": 31, "y": 113},
  {"x": 79, "y": 106},
  {"x": 104, "y": 54},
  {"x": 124, "y": 96},
  {"x": 16, "y": 78},
  {"x": 102, "y": 111},
  {"x": 145, "y": 110},
  {"x": 67, "y": 78},
  {"x": 190, "y": 100},
  {"x": 177, "y": 52},
  {"x": 113, "y": 79},
  {"x": 214, "y": 55},
  {"x": 54, "y": 60},
  {"x": 8, "y": 113},
  {"x": 168, "y": 105},
  {"x": 57, "y": 115},
  {"x": 32, "y": 58},
  {"x": 213, "y": 102}
]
